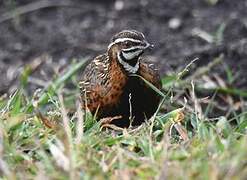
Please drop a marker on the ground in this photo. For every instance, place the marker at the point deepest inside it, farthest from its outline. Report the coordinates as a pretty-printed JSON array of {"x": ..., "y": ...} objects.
[
  {"x": 200, "y": 129},
  {"x": 67, "y": 29}
]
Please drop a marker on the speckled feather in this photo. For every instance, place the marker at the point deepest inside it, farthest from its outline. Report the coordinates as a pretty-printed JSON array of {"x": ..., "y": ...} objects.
[
  {"x": 107, "y": 90},
  {"x": 95, "y": 82},
  {"x": 106, "y": 87}
]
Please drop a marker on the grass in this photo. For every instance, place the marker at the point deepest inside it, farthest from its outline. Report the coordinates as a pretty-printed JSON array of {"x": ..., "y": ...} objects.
[{"x": 184, "y": 143}]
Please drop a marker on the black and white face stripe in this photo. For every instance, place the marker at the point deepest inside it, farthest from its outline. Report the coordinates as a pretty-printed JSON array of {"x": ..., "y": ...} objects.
[
  {"x": 127, "y": 66},
  {"x": 133, "y": 49},
  {"x": 132, "y": 54},
  {"x": 130, "y": 48}
]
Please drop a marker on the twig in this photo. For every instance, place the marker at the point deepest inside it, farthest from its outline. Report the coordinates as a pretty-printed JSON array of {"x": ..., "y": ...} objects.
[
  {"x": 199, "y": 72},
  {"x": 186, "y": 69},
  {"x": 79, "y": 124},
  {"x": 32, "y": 7},
  {"x": 203, "y": 70},
  {"x": 232, "y": 91},
  {"x": 68, "y": 134},
  {"x": 203, "y": 35},
  {"x": 197, "y": 106},
  {"x": 131, "y": 118},
  {"x": 4, "y": 168}
]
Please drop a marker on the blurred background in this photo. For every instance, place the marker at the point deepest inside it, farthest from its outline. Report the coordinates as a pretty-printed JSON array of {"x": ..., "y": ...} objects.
[{"x": 48, "y": 35}]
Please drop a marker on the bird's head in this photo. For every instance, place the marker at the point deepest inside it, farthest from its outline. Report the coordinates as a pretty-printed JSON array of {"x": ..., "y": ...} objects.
[{"x": 127, "y": 46}]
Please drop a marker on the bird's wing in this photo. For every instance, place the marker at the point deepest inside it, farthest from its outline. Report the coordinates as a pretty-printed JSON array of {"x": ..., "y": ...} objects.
[
  {"x": 94, "y": 79},
  {"x": 150, "y": 73}
]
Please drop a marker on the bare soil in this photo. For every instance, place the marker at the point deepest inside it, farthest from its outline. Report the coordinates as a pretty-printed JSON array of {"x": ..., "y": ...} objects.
[{"x": 62, "y": 30}]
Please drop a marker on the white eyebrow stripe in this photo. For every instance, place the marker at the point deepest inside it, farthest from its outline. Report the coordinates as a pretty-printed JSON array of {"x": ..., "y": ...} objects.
[
  {"x": 122, "y": 40},
  {"x": 127, "y": 39},
  {"x": 134, "y": 47}
]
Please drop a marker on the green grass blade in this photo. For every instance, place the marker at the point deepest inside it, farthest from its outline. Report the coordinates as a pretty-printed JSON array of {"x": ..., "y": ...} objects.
[{"x": 51, "y": 89}]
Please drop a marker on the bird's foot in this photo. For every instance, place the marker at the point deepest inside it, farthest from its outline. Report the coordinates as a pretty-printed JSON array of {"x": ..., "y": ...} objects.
[{"x": 106, "y": 123}]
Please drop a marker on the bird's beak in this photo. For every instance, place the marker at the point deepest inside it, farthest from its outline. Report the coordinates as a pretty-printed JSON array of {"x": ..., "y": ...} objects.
[{"x": 149, "y": 46}]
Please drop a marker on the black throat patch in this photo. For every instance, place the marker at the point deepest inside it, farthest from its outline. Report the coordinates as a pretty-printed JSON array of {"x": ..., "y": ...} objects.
[{"x": 131, "y": 62}]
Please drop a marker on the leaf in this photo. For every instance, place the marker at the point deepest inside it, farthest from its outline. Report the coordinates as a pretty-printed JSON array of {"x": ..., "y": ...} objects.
[
  {"x": 220, "y": 146},
  {"x": 170, "y": 115},
  {"x": 203, "y": 131},
  {"x": 24, "y": 75},
  {"x": 242, "y": 126},
  {"x": 219, "y": 35},
  {"x": 223, "y": 127},
  {"x": 168, "y": 81}
]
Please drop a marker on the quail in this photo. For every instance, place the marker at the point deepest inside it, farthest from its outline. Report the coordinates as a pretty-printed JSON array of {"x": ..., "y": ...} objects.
[{"x": 112, "y": 83}]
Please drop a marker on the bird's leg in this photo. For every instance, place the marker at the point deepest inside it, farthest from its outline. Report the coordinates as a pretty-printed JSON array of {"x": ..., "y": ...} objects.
[
  {"x": 108, "y": 120},
  {"x": 112, "y": 126},
  {"x": 106, "y": 123}
]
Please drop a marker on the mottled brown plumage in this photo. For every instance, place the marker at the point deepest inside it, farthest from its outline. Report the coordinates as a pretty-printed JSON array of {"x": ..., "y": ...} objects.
[{"x": 109, "y": 88}]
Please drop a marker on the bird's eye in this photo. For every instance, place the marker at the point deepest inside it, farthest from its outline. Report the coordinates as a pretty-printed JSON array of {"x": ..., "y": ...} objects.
[{"x": 127, "y": 43}]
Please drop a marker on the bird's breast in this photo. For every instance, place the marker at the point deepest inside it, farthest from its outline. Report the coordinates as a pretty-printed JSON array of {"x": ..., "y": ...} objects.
[{"x": 117, "y": 82}]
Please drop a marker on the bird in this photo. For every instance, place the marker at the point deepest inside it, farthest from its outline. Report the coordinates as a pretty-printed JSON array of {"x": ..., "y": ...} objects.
[{"x": 112, "y": 84}]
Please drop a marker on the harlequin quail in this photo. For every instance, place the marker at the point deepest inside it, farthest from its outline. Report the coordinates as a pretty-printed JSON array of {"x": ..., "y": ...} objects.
[{"x": 108, "y": 87}]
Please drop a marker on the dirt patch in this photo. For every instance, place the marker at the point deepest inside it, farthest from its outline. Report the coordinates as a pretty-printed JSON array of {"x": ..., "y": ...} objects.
[{"x": 79, "y": 29}]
